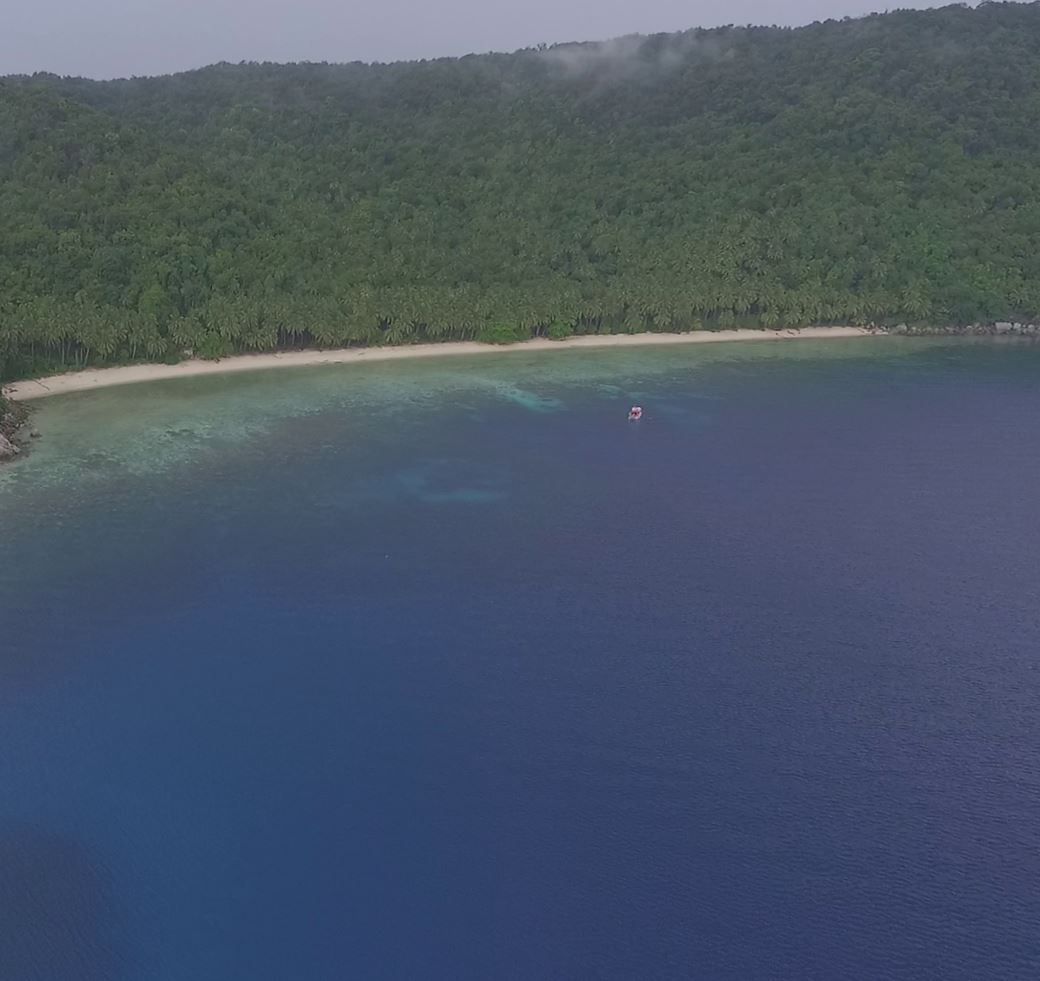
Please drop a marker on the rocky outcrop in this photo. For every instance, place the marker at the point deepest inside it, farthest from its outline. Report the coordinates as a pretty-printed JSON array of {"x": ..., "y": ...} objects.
[
  {"x": 12, "y": 418},
  {"x": 1002, "y": 328},
  {"x": 8, "y": 450}
]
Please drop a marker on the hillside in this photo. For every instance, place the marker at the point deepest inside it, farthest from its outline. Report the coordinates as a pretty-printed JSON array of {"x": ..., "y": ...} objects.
[{"x": 869, "y": 170}]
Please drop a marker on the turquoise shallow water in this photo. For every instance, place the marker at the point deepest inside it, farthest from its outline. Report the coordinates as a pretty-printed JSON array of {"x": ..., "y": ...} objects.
[
  {"x": 140, "y": 429},
  {"x": 445, "y": 670}
]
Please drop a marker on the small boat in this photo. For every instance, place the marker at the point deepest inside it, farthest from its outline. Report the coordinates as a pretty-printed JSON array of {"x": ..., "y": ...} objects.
[{"x": 635, "y": 413}]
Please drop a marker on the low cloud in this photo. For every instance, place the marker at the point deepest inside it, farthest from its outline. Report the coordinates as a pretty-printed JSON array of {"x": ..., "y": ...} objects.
[{"x": 638, "y": 55}]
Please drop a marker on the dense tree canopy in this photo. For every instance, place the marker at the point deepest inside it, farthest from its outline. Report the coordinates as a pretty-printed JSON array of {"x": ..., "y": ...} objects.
[{"x": 865, "y": 170}]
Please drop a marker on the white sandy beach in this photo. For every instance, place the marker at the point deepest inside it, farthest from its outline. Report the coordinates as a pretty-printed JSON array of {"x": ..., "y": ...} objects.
[{"x": 91, "y": 378}]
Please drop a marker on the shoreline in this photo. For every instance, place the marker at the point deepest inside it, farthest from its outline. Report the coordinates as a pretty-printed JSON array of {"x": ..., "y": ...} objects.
[{"x": 89, "y": 379}]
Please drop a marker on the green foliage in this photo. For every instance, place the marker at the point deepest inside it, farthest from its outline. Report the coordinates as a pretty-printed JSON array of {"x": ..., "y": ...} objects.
[
  {"x": 503, "y": 334},
  {"x": 213, "y": 347},
  {"x": 874, "y": 170}
]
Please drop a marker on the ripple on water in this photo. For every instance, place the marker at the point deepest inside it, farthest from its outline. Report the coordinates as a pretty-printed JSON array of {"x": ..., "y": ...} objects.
[
  {"x": 314, "y": 660},
  {"x": 55, "y": 908}
]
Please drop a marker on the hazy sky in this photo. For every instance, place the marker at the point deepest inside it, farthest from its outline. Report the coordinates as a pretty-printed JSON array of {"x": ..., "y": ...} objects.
[{"x": 109, "y": 38}]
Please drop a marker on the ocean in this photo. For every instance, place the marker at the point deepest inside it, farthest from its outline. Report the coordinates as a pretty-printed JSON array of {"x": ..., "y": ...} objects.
[{"x": 445, "y": 670}]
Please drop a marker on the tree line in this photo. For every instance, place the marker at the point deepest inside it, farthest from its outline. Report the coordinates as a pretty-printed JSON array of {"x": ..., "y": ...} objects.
[{"x": 857, "y": 171}]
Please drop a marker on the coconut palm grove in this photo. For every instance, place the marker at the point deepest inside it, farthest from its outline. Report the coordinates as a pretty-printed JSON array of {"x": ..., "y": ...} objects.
[{"x": 879, "y": 170}]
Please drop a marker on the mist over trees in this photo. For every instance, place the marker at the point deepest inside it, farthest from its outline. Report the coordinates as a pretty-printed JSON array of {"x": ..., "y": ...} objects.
[{"x": 873, "y": 170}]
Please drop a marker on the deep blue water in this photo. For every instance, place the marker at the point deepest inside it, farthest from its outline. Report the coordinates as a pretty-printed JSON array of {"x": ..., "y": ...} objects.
[{"x": 495, "y": 688}]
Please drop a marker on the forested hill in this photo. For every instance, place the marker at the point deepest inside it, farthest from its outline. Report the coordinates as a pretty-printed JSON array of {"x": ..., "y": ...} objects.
[{"x": 868, "y": 170}]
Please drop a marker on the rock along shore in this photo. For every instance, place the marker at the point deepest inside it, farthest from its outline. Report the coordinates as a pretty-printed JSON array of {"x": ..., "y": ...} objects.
[{"x": 13, "y": 418}]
